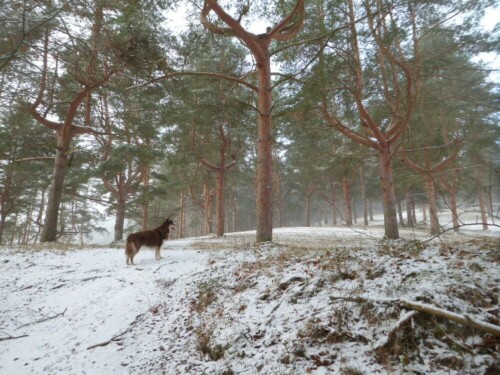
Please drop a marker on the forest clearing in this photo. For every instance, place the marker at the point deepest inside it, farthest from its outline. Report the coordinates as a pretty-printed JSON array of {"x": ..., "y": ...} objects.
[
  {"x": 330, "y": 171},
  {"x": 317, "y": 300}
]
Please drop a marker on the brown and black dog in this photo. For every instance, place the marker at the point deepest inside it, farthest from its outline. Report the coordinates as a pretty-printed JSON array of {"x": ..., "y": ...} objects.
[{"x": 152, "y": 238}]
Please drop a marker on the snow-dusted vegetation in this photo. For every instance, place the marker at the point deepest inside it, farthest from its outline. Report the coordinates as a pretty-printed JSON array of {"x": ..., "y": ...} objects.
[{"x": 316, "y": 300}]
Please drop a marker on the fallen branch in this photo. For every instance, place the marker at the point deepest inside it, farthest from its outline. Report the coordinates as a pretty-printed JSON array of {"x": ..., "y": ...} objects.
[
  {"x": 393, "y": 331},
  {"x": 44, "y": 319},
  {"x": 118, "y": 336},
  {"x": 457, "y": 318},
  {"x": 431, "y": 310},
  {"x": 9, "y": 337}
]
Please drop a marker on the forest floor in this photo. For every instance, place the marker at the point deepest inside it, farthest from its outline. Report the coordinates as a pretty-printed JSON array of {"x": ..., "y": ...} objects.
[{"x": 316, "y": 300}]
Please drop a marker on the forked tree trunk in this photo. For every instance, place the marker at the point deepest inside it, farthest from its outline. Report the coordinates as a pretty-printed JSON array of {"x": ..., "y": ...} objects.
[
  {"x": 346, "y": 185},
  {"x": 258, "y": 45},
  {"x": 388, "y": 194}
]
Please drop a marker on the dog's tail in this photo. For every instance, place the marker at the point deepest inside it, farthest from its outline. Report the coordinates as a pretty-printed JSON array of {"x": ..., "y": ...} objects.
[{"x": 130, "y": 251}]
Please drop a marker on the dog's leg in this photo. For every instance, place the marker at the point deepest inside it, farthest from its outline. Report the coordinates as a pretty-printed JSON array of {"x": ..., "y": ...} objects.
[
  {"x": 129, "y": 251},
  {"x": 157, "y": 253}
]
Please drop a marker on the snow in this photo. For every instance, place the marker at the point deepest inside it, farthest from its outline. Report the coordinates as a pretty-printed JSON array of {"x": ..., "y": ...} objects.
[{"x": 225, "y": 305}]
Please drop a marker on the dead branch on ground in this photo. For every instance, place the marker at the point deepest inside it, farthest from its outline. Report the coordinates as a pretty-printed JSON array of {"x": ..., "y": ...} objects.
[
  {"x": 44, "y": 319},
  {"x": 431, "y": 310},
  {"x": 118, "y": 336}
]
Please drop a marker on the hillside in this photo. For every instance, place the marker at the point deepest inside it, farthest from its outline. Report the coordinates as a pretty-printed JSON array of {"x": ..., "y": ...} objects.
[{"x": 317, "y": 300}]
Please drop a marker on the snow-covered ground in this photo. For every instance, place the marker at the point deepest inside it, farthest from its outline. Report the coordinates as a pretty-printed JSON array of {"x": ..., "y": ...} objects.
[{"x": 317, "y": 300}]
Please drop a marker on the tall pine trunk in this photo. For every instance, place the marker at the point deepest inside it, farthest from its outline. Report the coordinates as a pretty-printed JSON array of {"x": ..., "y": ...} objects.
[
  {"x": 388, "y": 194},
  {"x": 221, "y": 202},
  {"x": 483, "y": 208},
  {"x": 346, "y": 184},
  {"x": 264, "y": 153},
  {"x": 433, "y": 208},
  {"x": 120, "y": 219},
  {"x": 453, "y": 207},
  {"x": 363, "y": 195},
  {"x": 49, "y": 231},
  {"x": 409, "y": 214}
]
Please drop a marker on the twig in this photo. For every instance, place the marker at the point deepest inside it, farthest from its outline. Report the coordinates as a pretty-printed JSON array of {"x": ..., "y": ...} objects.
[
  {"x": 44, "y": 320},
  {"x": 117, "y": 337}
]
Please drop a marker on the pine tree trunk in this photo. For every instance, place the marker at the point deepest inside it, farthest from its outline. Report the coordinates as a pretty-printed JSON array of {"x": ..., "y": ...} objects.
[
  {"x": 363, "y": 195},
  {"x": 409, "y": 214},
  {"x": 453, "y": 207},
  {"x": 370, "y": 208},
  {"x": 347, "y": 198},
  {"x": 3, "y": 219},
  {"x": 49, "y": 232},
  {"x": 307, "y": 211},
  {"x": 388, "y": 195},
  {"x": 145, "y": 206},
  {"x": 120, "y": 219},
  {"x": 220, "y": 192},
  {"x": 207, "y": 209},
  {"x": 400, "y": 212},
  {"x": 264, "y": 224},
  {"x": 13, "y": 234},
  {"x": 483, "y": 209},
  {"x": 182, "y": 216},
  {"x": 433, "y": 208},
  {"x": 334, "y": 203}
]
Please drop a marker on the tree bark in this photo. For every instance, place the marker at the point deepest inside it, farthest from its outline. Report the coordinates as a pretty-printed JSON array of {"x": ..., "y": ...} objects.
[
  {"x": 409, "y": 214},
  {"x": 220, "y": 210},
  {"x": 49, "y": 232},
  {"x": 258, "y": 45},
  {"x": 363, "y": 195},
  {"x": 388, "y": 194},
  {"x": 207, "y": 211},
  {"x": 264, "y": 153},
  {"x": 346, "y": 184},
  {"x": 400, "y": 212},
  {"x": 433, "y": 208},
  {"x": 483, "y": 208},
  {"x": 119, "y": 219}
]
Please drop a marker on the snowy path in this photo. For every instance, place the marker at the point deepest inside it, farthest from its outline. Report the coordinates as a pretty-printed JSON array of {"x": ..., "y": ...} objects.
[{"x": 99, "y": 295}]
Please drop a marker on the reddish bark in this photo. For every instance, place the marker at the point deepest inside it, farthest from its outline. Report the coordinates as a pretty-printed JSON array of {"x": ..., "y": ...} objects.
[
  {"x": 363, "y": 195},
  {"x": 258, "y": 45},
  {"x": 346, "y": 185}
]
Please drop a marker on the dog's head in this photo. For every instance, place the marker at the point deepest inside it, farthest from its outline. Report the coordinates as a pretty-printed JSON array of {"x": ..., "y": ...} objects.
[{"x": 167, "y": 225}]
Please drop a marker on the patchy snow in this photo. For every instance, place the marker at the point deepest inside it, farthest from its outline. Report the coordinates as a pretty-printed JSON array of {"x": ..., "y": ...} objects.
[{"x": 317, "y": 300}]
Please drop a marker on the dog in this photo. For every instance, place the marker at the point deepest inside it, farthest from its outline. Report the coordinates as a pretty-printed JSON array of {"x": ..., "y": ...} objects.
[{"x": 152, "y": 238}]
